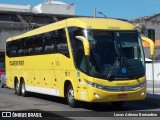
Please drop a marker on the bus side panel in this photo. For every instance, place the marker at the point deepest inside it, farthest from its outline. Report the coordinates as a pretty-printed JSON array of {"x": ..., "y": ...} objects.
[
  {"x": 11, "y": 72},
  {"x": 65, "y": 70},
  {"x": 41, "y": 75}
]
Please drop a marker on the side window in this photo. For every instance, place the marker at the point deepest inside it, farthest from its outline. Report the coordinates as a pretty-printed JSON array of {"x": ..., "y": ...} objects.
[
  {"x": 13, "y": 49},
  {"x": 73, "y": 32},
  {"x": 20, "y": 47},
  {"x": 39, "y": 47},
  {"x": 77, "y": 47},
  {"x": 49, "y": 43},
  {"x": 61, "y": 41},
  {"x": 8, "y": 49},
  {"x": 29, "y": 46},
  {"x": 80, "y": 57}
]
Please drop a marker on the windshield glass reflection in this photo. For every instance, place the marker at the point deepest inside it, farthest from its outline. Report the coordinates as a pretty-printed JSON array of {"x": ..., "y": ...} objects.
[{"x": 117, "y": 55}]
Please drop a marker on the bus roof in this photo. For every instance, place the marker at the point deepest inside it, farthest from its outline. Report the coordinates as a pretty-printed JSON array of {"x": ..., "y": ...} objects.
[
  {"x": 100, "y": 23},
  {"x": 89, "y": 23}
]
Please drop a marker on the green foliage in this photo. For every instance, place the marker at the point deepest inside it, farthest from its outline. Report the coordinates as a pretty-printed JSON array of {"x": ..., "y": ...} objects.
[{"x": 29, "y": 19}]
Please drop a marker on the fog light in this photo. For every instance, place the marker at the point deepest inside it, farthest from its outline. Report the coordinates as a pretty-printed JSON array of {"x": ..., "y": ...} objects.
[
  {"x": 97, "y": 96},
  {"x": 142, "y": 94}
]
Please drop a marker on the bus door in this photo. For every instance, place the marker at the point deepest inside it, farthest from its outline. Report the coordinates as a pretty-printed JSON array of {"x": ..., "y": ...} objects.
[
  {"x": 55, "y": 75},
  {"x": 50, "y": 76},
  {"x": 82, "y": 86},
  {"x": 80, "y": 63}
]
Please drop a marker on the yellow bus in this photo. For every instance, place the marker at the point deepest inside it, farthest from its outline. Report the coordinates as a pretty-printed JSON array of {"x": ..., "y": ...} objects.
[{"x": 81, "y": 59}]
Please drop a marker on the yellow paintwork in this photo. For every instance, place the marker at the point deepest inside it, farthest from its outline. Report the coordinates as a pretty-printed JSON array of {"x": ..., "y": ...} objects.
[
  {"x": 113, "y": 96},
  {"x": 90, "y": 23},
  {"x": 151, "y": 44},
  {"x": 52, "y": 70}
]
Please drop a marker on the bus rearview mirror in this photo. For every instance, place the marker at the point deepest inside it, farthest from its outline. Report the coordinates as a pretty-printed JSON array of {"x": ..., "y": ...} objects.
[
  {"x": 151, "y": 44},
  {"x": 85, "y": 44}
]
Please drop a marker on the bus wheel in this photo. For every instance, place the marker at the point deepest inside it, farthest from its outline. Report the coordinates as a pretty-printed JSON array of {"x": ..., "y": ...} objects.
[
  {"x": 118, "y": 104},
  {"x": 1, "y": 84},
  {"x": 23, "y": 89},
  {"x": 17, "y": 89},
  {"x": 70, "y": 97}
]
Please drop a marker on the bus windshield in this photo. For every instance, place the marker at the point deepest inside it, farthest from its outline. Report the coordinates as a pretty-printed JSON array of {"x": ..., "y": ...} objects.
[
  {"x": 113, "y": 54},
  {"x": 116, "y": 54}
]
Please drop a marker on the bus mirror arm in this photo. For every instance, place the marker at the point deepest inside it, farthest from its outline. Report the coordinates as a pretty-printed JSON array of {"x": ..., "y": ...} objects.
[
  {"x": 151, "y": 44},
  {"x": 85, "y": 44}
]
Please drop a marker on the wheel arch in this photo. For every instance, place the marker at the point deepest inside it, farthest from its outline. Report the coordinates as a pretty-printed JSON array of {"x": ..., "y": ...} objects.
[
  {"x": 21, "y": 80},
  {"x": 66, "y": 84},
  {"x": 15, "y": 81}
]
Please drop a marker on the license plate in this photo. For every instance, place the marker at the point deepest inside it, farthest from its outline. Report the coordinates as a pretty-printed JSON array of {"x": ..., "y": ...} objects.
[{"x": 122, "y": 96}]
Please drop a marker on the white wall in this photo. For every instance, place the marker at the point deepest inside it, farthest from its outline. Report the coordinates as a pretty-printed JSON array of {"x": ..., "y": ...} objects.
[
  {"x": 65, "y": 9},
  {"x": 149, "y": 70},
  {"x": 17, "y": 8}
]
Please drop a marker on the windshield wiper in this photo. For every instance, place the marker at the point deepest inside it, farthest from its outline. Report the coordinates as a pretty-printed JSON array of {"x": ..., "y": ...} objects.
[
  {"x": 118, "y": 58},
  {"x": 111, "y": 70},
  {"x": 123, "y": 63}
]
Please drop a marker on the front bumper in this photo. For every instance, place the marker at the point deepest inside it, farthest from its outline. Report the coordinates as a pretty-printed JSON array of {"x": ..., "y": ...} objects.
[{"x": 98, "y": 95}]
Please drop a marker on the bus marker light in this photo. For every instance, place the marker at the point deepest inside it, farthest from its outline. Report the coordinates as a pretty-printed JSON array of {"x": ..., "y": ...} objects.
[{"x": 142, "y": 94}]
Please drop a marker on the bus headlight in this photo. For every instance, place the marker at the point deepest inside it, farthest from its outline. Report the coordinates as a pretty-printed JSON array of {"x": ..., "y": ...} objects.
[
  {"x": 95, "y": 85},
  {"x": 142, "y": 84},
  {"x": 116, "y": 88}
]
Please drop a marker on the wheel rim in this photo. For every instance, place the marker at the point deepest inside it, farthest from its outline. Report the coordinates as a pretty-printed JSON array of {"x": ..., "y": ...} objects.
[
  {"x": 17, "y": 87},
  {"x": 23, "y": 88},
  {"x": 71, "y": 95}
]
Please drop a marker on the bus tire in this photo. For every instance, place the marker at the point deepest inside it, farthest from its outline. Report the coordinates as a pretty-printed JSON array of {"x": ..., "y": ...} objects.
[
  {"x": 23, "y": 89},
  {"x": 17, "y": 88},
  {"x": 118, "y": 104},
  {"x": 1, "y": 84},
  {"x": 70, "y": 97}
]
